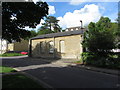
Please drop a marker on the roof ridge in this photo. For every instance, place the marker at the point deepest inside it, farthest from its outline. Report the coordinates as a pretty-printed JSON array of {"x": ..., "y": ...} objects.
[{"x": 59, "y": 34}]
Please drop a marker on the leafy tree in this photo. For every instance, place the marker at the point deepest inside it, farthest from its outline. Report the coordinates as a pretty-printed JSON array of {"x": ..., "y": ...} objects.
[
  {"x": 53, "y": 22},
  {"x": 99, "y": 39},
  {"x": 45, "y": 31},
  {"x": 17, "y": 15},
  {"x": 103, "y": 24},
  {"x": 50, "y": 23},
  {"x": 118, "y": 31},
  {"x": 33, "y": 33}
]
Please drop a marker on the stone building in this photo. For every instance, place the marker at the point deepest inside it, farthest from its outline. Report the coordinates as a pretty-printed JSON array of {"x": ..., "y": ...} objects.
[
  {"x": 18, "y": 46},
  {"x": 57, "y": 45}
]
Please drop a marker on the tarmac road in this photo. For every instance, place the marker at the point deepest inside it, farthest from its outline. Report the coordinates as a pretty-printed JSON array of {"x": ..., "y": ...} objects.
[{"x": 61, "y": 76}]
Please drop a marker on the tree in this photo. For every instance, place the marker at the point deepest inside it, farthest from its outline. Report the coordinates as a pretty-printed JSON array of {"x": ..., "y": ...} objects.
[
  {"x": 103, "y": 24},
  {"x": 45, "y": 31},
  {"x": 118, "y": 31},
  {"x": 17, "y": 15},
  {"x": 33, "y": 33},
  {"x": 50, "y": 23},
  {"x": 99, "y": 39}
]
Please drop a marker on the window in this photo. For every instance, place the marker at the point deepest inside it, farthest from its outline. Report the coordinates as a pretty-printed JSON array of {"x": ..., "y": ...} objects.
[
  {"x": 42, "y": 47},
  {"x": 71, "y": 29},
  {"x": 51, "y": 47},
  {"x": 62, "y": 46}
]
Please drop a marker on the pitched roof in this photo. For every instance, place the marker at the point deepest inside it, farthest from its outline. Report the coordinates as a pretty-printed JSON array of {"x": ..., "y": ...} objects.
[{"x": 59, "y": 34}]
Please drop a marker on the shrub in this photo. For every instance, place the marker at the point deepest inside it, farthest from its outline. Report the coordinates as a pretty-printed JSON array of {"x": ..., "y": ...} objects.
[
  {"x": 87, "y": 57},
  {"x": 111, "y": 61}
]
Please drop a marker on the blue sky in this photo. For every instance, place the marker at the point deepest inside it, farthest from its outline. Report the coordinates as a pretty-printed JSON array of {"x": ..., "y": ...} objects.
[
  {"x": 70, "y": 13},
  {"x": 62, "y": 7}
]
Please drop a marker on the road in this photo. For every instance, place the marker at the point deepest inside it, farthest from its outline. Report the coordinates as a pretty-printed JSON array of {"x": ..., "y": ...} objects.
[{"x": 61, "y": 76}]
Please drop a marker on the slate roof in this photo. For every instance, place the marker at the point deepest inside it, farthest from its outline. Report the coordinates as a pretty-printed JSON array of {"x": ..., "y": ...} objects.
[{"x": 60, "y": 34}]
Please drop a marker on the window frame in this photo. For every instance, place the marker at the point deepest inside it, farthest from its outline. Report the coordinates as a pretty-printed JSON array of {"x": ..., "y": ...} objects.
[
  {"x": 60, "y": 50},
  {"x": 51, "y": 47}
]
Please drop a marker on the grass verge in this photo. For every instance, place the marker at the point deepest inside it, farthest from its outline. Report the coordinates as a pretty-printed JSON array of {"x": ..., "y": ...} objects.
[
  {"x": 79, "y": 62},
  {"x": 19, "y": 81},
  {"x": 4, "y": 69},
  {"x": 11, "y": 54}
]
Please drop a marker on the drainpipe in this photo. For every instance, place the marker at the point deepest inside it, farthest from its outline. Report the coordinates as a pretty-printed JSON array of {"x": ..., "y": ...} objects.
[
  {"x": 54, "y": 52},
  {"x": 30, "y": 48}
]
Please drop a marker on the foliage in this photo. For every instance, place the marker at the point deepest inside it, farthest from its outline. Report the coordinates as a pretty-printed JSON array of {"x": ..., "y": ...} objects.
[
  {"x": 33, "y": 33},
  {"x": 99, "y": 41},
  {"x": 50, "y": 26},
  {"x": 86, "y": 57},
  {"x": 45, "y": 31},
  {"x": 17, "y": 15},
  {"x": 112, "y": 61},
  {"x": 116, "y": 31}
]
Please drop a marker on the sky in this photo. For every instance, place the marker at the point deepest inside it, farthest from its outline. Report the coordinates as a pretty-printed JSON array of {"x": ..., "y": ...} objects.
[{"x": 71, "y": 12}]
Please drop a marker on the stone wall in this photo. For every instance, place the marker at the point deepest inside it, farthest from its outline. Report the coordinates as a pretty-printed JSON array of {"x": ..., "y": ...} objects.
[{"x": 72, "y": 47}]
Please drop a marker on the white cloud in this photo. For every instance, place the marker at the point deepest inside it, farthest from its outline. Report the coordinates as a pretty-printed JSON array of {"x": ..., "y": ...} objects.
[
  {"x": 77, "y": 2},
  {"x": 39, "y": 25},
  {"x": 87, "y": 14},
  {"x": 51, "y": 10}
]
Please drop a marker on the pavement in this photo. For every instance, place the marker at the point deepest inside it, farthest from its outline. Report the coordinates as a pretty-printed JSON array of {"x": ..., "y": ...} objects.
[
  {"x": 62, "y": 74},
  {"x": 97, "y": 69},
  {"x": 92, "y": 68}
]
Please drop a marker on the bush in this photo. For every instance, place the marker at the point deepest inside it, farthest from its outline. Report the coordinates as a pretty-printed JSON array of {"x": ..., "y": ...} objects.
[
  {"x": 111, "y": 61},
  {"x": 87, "y": 57}
]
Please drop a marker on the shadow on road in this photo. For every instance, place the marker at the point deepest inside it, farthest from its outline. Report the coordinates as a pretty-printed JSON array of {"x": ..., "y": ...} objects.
[
  {"x": 21, "y": 61},
  {"x": 69, "y": 77},
  {"x": 60, "y": 76}
]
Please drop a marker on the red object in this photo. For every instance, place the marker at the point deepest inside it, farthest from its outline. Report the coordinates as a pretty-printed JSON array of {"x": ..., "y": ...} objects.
[{"x": 24, "y": 53}]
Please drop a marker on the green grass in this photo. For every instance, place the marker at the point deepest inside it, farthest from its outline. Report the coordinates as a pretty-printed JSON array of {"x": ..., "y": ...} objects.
[
  {"x": 19, "y": 81},
  {"x": 6, "y": 69},
  {"x": 11, "y": 54},
  {"x": 80, "y": 61}
]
